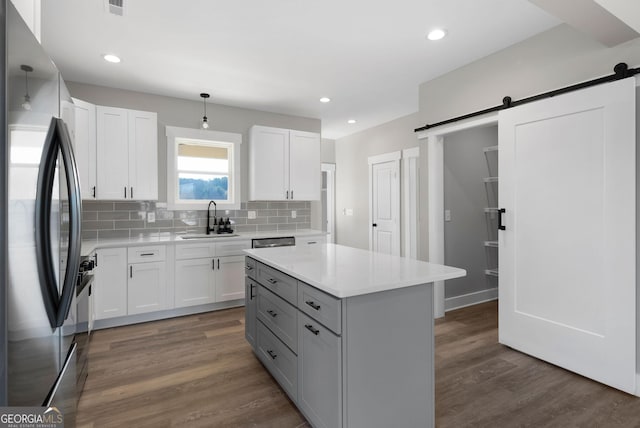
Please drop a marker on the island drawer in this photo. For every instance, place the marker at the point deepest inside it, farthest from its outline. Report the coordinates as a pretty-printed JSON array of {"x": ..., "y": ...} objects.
[
  {"x": 325, "y": 309},
  {"x": 280, "y": 283},
  {"x": 279, "y": 316},
  {"x": 250, "y": 267},
  {"x": 155, "y": 253},
  {"x": 281, "y": 362}
]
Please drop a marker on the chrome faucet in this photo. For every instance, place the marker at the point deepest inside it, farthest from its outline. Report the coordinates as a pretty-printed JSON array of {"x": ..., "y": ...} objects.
[{"x": 215, "y": 213}]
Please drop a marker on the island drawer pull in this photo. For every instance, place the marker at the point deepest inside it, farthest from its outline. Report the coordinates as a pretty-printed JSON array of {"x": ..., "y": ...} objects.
[
  {"x": 311, "y": 329},
  {"x": 313, "y": 304},
  {"x": 272, "y": 281},
  {"x": 251, "y": 295},
  {"x": 272, "y": 354},
  {"x": 248, "y": 267},
  {"x": 148, "y": 254},
  {"x": 273, "y": 314}
]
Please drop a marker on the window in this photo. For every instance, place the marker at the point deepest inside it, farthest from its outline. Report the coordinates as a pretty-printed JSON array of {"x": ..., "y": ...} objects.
[{"x": 202, "y": 166}]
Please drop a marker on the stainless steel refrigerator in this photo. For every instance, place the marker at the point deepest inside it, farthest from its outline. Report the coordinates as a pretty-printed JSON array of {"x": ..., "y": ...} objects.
[{"x": 40, "y": 221}]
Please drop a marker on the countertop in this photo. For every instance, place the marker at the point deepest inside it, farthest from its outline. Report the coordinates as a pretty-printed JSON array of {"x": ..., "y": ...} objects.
[
  {"x": 89, "y": 246},
  {"x": 346, "y": 272}
]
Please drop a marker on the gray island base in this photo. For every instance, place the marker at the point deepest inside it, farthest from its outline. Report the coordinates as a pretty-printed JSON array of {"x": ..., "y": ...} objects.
[{"x": 347, "y": 333}]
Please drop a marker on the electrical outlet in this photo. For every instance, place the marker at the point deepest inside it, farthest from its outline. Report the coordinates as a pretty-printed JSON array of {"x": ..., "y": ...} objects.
[
  {"x": 447, "y": 215},
  {"x": 294, "y": 214},
  {"x": 151, "y": 217},
  {"x": 226, "y": 212},
  {"x": 251, "y": 215}
]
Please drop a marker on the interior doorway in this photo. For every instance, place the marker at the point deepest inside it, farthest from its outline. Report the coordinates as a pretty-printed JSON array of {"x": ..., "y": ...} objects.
[{"x": 384, "y": 203}]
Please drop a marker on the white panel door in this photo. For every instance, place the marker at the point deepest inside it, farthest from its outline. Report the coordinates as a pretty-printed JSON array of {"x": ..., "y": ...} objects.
[
  {"x": 268, "y": 164},
  {"x": 113, "y": 152},
  {"x": 567, "y": 254},
  {"x": 385, "y": 207},
  {"x": 85, "y": 146},
  {"x": 229, "y": 278},
  {"x": 304, "y": 166},
  {"x": 146, "y": 287},
  {"x": 110, "y": 290},
  {"x": 194, "y": 282},
  {"x": 143, "y": 155}
]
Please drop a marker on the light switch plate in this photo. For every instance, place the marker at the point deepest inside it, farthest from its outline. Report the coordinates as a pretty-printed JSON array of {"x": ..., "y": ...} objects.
[
  {"x": 251, "y": 215},
  {"x": 447, "y": 215},
  {"x": 151, "y": 217},
  {"x": 294, "y": 214}
]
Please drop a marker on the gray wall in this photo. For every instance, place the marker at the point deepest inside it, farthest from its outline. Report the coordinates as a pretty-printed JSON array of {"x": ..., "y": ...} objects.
[
  {"x": 466, "y": 196},
  {"x": 553, "y": 59},
  {"x": 352, "y": 180},
  {"x": 187, "y": 114}
]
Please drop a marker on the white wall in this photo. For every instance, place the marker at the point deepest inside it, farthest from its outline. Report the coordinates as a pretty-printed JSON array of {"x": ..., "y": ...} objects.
[
  {"x": 352, "y": 180},
  {"x": 187, "y": 114}
]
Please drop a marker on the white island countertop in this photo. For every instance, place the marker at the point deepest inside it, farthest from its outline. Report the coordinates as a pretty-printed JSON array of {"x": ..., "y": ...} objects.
[{"x": 346, "y": 272}]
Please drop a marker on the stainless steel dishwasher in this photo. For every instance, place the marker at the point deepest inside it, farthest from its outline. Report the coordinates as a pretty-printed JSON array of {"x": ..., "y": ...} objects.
[{"x": 285, "y": 241}]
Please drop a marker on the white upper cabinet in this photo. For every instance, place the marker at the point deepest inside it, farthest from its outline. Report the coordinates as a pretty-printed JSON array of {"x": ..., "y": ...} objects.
[
  {"x": 283, "y": 164},
  {"x": 84, "y": 142},
  {"x": 127, "y": 152}
]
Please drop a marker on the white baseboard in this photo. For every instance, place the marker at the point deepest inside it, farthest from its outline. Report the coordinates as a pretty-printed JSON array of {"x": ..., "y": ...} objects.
[{"x": 470, "y": 299}]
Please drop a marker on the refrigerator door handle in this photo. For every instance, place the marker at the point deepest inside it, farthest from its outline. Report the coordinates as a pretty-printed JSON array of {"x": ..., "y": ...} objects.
[
  {"x": 46, "y": 270},
  {"x": 70, "y": 359},
  {"x": 75, "y": 222},
  {"x": 57, "y": 306}
]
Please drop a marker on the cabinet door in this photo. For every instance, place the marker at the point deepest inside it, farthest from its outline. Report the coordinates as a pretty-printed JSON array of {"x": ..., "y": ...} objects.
[
  {"x": 146, "y": 287},
  {"x": 143, "y": 155},
  {"x": 229, "y": 278},
  {"x": 268, "y": 164},
  {"x": 110, "y": 290},
  {"x": 194, "y": 282},
  {"x": 304, "y": 166},
  {"x": 113, "y": 151},
  {"x": 319, "y": 373},
  {"x": 85, "y": 146},
  {"x": 250, "y": 311}
]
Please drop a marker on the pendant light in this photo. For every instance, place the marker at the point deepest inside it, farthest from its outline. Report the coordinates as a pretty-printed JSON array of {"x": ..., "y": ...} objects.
[
  {"x": 27, "y": 99},
  {"x": 205, "y": 123}
]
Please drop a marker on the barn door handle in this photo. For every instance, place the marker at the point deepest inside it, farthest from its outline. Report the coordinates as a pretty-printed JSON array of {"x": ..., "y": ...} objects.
[
  {"x": 500, "y": 225},
  {"x": 375, "y": 225}
]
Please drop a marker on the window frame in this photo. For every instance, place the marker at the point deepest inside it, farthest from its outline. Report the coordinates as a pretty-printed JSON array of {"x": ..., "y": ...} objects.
[{"x": 175, "y": 135}]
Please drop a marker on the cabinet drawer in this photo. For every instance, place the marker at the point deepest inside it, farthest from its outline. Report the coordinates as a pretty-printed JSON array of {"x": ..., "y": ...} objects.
[
  {"x": 279, "y": 360},
  {"x": 250, "y": 267},
  {"x": 279, "y": 316},
  {"x": 194, "y": 251},
  {"x": 281, "y": 284},
  {"x": 154, "y": 253},
  {"x": 232, "y": 248},
  {"x": 311, "y": 240},
  {"x": 324, "y": 308}
]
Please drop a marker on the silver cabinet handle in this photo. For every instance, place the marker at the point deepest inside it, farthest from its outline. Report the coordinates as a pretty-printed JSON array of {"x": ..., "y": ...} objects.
[
  {"x": 311, "y": 329},
  {"x": 313, "y": 304}
]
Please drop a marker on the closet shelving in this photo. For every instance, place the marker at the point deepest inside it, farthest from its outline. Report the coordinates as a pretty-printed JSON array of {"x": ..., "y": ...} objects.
[{"x": 491, "y": 188}]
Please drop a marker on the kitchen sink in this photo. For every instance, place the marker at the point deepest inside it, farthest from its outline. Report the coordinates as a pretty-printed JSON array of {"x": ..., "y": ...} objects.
[{"x": 205, "y": 236}]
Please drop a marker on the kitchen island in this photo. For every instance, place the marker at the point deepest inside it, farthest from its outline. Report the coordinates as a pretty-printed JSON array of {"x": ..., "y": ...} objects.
[{"x": 347, "y": 333}]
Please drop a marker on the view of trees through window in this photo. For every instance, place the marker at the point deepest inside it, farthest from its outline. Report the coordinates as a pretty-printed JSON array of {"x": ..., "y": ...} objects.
[
  {"x": 203, "y": 170},
  {"x": 192, "y": 187}
]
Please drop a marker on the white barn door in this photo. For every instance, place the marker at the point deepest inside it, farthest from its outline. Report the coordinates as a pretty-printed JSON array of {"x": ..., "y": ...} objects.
[
  {"x": 568, "y": 252},
  {"x": 384, "y": 197}
]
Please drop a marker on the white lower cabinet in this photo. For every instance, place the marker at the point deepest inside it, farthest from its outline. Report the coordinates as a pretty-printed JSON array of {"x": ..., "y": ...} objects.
[
  {"x": 229, "y": 278},
  {"x": 194, "y": 282},
  {"x": 110, "y": 283},
  {"x": 146, "y": 287}
]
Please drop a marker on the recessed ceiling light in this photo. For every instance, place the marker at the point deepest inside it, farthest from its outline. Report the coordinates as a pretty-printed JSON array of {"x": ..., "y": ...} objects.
[
  {"x": 325, "y": 99},
  {"x": 436, "y": 34},
  {"x": 351, "y": 121},
  {"x": 111, "y": 58}
]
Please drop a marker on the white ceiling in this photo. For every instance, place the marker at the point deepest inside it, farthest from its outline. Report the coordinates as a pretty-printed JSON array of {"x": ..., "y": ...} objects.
[{"x": 368, "y": 56}]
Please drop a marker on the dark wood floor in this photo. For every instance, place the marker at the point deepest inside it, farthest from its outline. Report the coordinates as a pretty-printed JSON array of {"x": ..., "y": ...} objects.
[{"x": 198, "y": 371}]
